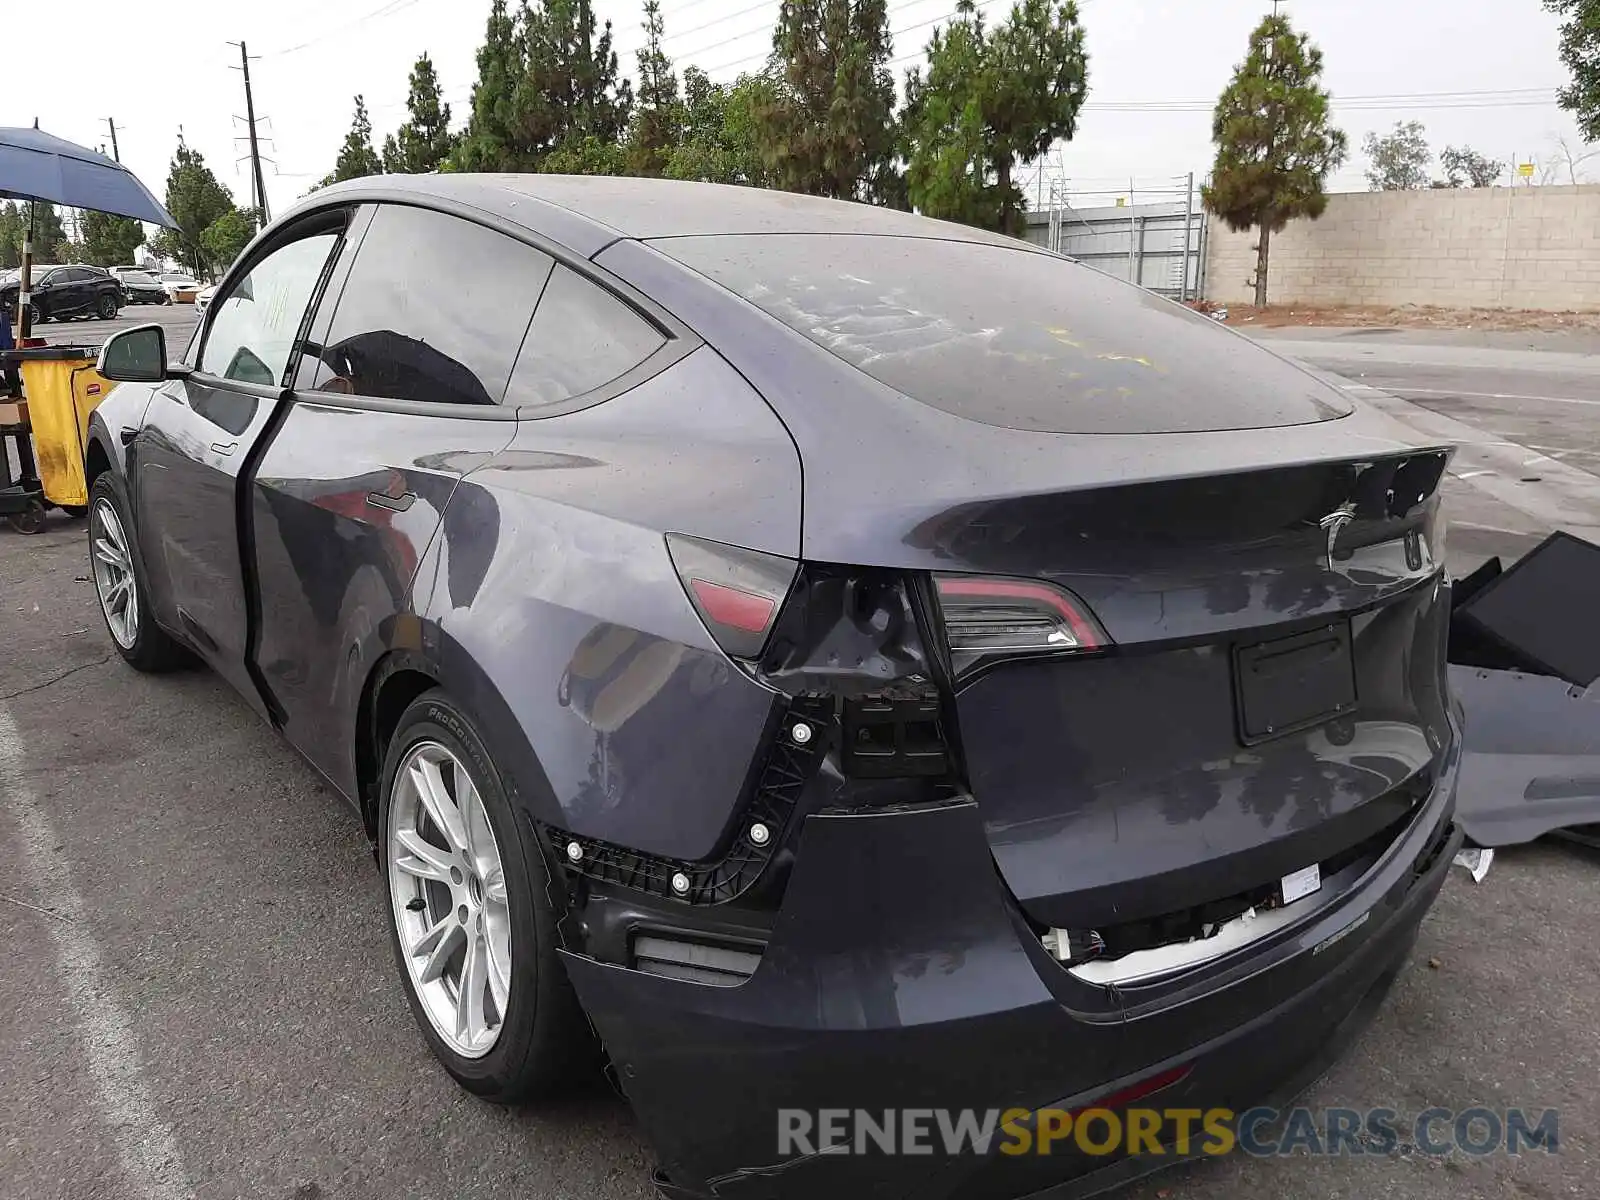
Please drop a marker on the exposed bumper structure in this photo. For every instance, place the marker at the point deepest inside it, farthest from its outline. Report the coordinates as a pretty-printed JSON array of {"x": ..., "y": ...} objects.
[{"x": 939, "y": 995}]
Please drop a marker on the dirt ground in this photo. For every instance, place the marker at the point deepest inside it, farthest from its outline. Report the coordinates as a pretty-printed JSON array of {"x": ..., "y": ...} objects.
[{"x": 1408, "y": 316}]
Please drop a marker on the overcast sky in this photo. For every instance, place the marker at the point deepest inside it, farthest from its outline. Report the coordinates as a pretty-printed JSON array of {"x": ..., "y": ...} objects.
[{"x": 1482, "y": 74}]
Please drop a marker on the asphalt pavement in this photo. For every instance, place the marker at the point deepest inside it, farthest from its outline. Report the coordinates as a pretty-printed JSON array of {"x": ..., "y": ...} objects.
[
  {"x": 177, "y": 319},
  {"x": 1523, "y": 408},
  {"x": 198, "y": 996}
]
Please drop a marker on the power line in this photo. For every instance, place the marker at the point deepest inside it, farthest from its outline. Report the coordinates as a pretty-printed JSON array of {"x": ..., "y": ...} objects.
[
  {"x": 386, "y": 10},
  {"x": 712, "y": 24},
  {"x": 893, "y": 33}
]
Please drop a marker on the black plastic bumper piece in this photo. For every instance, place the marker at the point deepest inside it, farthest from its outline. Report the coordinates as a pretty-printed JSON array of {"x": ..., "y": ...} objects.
[{"x": 900, "y": 974}]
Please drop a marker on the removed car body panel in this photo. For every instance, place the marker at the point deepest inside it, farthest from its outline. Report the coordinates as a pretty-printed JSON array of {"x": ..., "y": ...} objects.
[{"x": 1523, "y": 649}]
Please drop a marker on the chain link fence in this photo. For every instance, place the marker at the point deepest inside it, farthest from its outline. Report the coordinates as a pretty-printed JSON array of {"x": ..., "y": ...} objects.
[{"x": 1151, "y": 234}]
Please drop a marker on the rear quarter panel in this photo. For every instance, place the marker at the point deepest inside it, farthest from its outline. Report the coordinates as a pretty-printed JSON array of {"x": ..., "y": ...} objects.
[{"x": 550, "y": 592}]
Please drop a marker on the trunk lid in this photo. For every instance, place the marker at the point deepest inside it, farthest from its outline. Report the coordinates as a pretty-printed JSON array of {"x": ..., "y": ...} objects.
[{"x": 1265, "y": 704}]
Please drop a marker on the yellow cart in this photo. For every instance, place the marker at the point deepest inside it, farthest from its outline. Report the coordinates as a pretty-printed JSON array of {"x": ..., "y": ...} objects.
[{"x": 62, "y": 389}]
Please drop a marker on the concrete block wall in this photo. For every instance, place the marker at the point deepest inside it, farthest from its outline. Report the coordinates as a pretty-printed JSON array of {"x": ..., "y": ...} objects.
[{"x": 1523, "y": 247}]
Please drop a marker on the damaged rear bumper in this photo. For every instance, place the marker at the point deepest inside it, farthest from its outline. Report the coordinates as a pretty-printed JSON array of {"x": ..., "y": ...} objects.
[{"x": 900, "y": 974}]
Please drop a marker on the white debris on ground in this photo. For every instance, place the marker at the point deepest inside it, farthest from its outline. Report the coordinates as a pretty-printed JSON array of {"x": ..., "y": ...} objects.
[{"x": 1476, "y": 860}]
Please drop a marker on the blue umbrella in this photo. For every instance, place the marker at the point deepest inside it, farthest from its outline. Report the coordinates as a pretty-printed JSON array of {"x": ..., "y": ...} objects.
[
  {"x": 35, "y": 165},
  {"x": 38, "y": 166}
]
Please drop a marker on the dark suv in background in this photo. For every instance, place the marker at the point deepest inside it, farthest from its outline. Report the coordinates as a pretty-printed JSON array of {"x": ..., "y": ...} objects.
[{"x": 74, "y": 290}]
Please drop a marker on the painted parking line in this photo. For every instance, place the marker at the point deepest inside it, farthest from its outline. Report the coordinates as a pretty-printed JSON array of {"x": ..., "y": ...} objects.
[
  {"x": 1418, "y": 391},
  {"x": 146, "y": 1148}
]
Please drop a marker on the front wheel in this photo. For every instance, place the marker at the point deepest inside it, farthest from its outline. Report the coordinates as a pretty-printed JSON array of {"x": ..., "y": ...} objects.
[
  {"x": 120, "y": 582},
  {"x": 473, "y": 929},
  {"x": 36, "y": 315},
  {"x": 106, "y": 307}
]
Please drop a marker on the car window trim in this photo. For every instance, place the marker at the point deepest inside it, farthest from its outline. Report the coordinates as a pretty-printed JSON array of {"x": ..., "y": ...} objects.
[
  {"x": 319, "y": 316},
  {"x": 586, "y": 266},
  {"x": 334, "y": 219},
  {"x": 668, "y": 353},
  {"x": 678, "y": 339},
  {"x": 220, "y": 383}
]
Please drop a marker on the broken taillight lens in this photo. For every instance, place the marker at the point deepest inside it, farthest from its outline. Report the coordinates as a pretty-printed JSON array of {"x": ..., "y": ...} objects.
[
  {"x": 737, "y": 592},
  {"x": 987, "y": 619}
]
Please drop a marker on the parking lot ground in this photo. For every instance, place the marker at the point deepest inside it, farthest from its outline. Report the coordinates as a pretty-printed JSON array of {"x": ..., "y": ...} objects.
[
  {"x": 198, "y": 995},
  {"x": 177, "y": 319}
]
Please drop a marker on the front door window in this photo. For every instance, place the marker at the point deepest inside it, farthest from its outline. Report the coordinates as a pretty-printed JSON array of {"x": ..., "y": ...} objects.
[{"x": 253, "y": 325}]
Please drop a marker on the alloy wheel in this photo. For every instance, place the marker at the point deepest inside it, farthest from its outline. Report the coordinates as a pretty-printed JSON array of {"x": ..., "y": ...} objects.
[
  {"x": 447, "y": 886},
  {"x": 114, "y": 579}
]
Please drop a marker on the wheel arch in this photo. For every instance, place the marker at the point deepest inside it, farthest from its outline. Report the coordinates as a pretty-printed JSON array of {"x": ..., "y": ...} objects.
[
  {"x": 96, "y": 458},
  {"x": 405, "y": 672}
]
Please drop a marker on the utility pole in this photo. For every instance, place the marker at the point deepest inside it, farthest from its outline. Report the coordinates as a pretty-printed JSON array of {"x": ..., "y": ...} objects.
[
  {"x": 112, "y": 126},
  {"x": 259, "y": 184}
]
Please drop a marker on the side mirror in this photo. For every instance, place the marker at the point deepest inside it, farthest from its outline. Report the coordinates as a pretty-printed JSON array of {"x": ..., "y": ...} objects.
[{"x": 136, "y": 355}]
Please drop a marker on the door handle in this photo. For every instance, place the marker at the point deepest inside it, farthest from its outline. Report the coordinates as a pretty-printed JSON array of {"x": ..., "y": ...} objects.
[
  {"x": 224, "y": 447},
  {"x": 393, "y": 503},
  {"x": 126, "y": 435}
]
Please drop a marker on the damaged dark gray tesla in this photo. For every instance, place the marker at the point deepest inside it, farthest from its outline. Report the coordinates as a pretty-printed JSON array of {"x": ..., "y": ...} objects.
[{"x": 833, "y": 659}]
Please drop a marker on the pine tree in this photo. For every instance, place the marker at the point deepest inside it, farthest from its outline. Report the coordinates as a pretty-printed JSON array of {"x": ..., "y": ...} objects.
[
  {"x": 357, "y": 158},
  {"x": 947, "y": 144},
  {"x": 13, "y": 220},
  {"x": 1580, "y": 51},
  {"x": 658, "y": 113},
  {"x": 108, "y": 240},
  {"x": 546, "y": 81},
  {"x": 49, "y": 235},
  {"x": 990, "y": 101},
  {"x": 492, "y": 136},
  {"x": 575, "y": 75},
  {"x": 829, "y": 130},
  {"x": 1037, "y": 76},
  {"x": 424, "y": 142},
  {"x": 1275, "y": 147},
  {"x": 195, "y": 199}
]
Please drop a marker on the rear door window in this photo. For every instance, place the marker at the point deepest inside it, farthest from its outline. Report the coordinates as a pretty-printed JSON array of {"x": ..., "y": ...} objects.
[
  {"x": 1010, "y": 336},
  {"x": 582, "y": 338},
  {"x": 434, "y": 309}
]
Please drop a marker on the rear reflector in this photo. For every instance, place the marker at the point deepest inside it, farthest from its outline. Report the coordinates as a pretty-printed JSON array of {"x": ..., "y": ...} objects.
[
  {"x": 737, "y": 592},
  {"x": 728, "y": 606},
  {"x": 988, "y": 619}
]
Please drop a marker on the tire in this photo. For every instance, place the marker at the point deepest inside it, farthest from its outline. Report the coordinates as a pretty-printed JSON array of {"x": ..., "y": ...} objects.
[
  {"x": 106, "y": 307},
  {"x": 144, "y": 644},
  {"x": 29, "y": 520},
  {"x": 542, "y": 1040},
  {"x": 36, "y": 315}
]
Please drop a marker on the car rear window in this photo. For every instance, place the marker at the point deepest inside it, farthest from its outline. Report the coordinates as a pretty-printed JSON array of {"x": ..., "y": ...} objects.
[{"x": 1010, "y": 336}]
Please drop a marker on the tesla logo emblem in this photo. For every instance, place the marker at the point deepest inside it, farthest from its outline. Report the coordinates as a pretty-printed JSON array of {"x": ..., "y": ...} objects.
[{"x": 1333, "y": 523}]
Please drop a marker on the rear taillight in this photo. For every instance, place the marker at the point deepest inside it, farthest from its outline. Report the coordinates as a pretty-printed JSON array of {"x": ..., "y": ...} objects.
[
  {"x": 988, "y": 620},
  {"x": 737, "y": 592}
]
